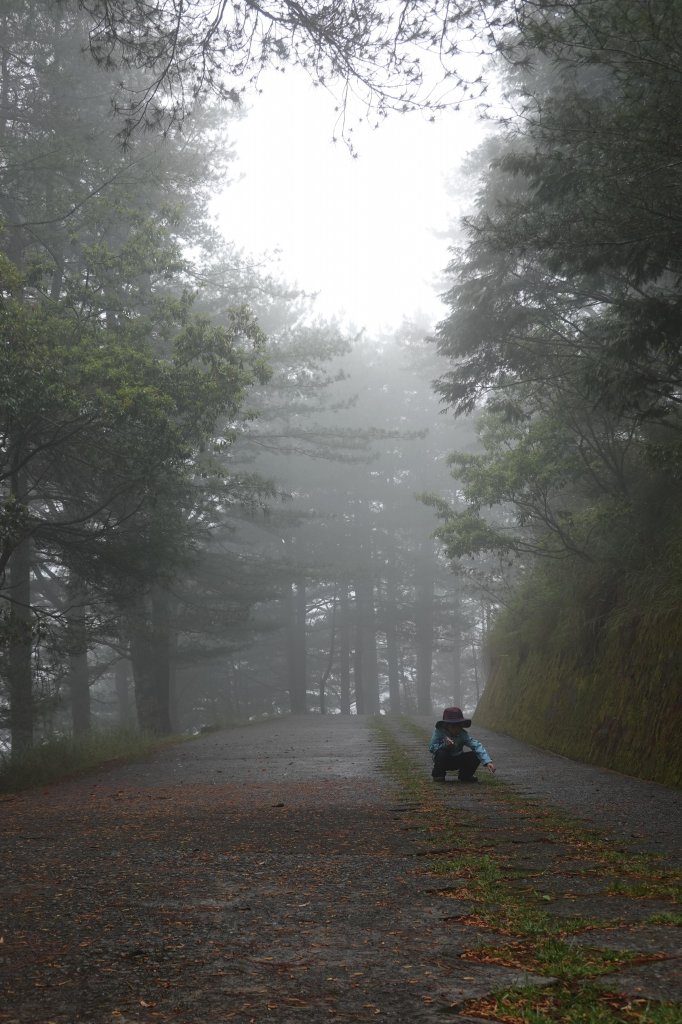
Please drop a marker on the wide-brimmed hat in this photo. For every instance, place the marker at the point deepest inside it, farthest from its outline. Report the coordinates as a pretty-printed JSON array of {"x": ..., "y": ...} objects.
[{"x": 454, "y": 716}]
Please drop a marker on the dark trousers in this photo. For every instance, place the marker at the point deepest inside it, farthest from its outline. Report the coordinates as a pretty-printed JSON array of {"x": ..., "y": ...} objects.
[{"x": 465, "y": 763}]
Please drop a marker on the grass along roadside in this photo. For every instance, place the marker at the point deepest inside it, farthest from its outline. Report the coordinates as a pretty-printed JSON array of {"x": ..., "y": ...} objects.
[
  {"x": 630, "y": 874},
  {"x": 62, "y": 757},
  {"x": 565, "y": 1004},
  {"x": 523, "y": 933},
  {"x": 58, "y": 758}
]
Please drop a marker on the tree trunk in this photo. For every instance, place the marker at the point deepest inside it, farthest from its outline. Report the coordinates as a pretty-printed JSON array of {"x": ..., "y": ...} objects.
[
  {"x": 344, "y": 651},
  {"x": 459, "y": 631},
  {"x": 457, "y": 694},
  {"x": 19, "y": 670},
  {"x": 20, "y": 620},
  {"x": 149, "y": 652},
  {"x": 330, "y": 660},
  {"x": 423, "y": 615},
  {"x": 366, "y": 662},
  {"x": 372, "y": 675},
  {"x": 296, "y": 648},
  {"x": 301, "y": 649},
  {"x": 392, "y": 652},
  {"x": 173, "y": 696},
  {"x": 486, "y": 620},
  {"x": 358, "y": 684},
  {"x": 290, "y": 627},
  {"x": 122, "y": 683},
  {"x": 477, "y": 684},
  {"x": 78, "y": 678},
  {"x": 161, "y": 644},
  {"x": 393, "y": 667}
]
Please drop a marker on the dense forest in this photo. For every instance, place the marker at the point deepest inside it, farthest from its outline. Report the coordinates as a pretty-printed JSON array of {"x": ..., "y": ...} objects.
[
  {"x": 565, "y": 329},
  {"x": 217, "y": 506},
  {"x": 209, "y": 507}
]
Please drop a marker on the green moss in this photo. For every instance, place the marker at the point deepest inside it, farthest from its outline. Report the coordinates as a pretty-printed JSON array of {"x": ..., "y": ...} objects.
[{"x": 603, "y": 683}]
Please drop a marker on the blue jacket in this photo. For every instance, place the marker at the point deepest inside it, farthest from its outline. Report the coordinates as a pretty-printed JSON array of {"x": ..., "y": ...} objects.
[{"x": 440, "y": 738}]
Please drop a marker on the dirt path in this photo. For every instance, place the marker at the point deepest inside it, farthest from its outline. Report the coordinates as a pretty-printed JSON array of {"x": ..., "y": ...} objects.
[{"x": 260, "y": 874}]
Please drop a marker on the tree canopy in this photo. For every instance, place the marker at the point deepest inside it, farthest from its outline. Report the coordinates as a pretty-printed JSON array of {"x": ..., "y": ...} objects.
[
  {"x": 565, "y": 300},
  {"x": 564, "y": 333},
  {"x": 382, "y": 51}
]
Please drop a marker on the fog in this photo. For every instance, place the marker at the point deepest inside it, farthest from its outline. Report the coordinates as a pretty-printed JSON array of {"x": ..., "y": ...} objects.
[
  {"x": 296, "y": 425},
  {"x": 219, "y": 413},
  {"x": 365, "y": 230}
]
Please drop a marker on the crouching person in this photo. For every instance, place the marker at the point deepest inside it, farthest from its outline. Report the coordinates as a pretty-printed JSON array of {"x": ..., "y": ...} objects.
[{"x": 447, "y": 743}]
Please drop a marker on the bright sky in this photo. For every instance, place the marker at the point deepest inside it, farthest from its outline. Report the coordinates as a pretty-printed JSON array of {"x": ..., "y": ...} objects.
[{"x": 361, "y": 232}]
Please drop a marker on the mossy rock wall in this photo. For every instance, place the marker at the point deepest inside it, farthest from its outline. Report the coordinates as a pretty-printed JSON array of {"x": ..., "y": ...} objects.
[{"x": 615, "y": 701}]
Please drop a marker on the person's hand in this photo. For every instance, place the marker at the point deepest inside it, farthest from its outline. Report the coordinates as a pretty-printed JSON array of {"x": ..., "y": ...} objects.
[{"x": 491, "y": 767}]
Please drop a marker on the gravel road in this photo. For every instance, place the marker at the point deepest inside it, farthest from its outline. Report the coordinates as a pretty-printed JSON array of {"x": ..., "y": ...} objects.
[
  {"x": 620, "y": 804},
  {"x": 273, "y": 873}
]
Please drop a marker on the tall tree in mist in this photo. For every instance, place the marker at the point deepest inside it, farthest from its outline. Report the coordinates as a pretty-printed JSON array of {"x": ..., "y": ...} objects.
[
  {"x": 111, "y": 382},
  {"x": 565, "y": 310},
  {"x": 123, "y": 487},
  {"x": 364, "y": 576}
]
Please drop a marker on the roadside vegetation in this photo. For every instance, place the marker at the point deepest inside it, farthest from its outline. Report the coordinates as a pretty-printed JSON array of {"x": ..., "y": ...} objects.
[
  {"x": 58, "y": 758},
  {"x": 208, "y": 491},
  {"x": 563, "y": 330},
  {"x": 587, "y": 664},
  {"x": 523, "y": 933}
]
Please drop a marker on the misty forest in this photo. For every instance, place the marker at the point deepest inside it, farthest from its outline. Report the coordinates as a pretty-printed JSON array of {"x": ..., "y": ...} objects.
[{"x": 218, "y": 506}]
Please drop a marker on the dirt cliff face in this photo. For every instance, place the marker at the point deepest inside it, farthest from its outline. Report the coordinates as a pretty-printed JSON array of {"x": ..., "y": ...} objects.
[{"x": 617, "y": 704}]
